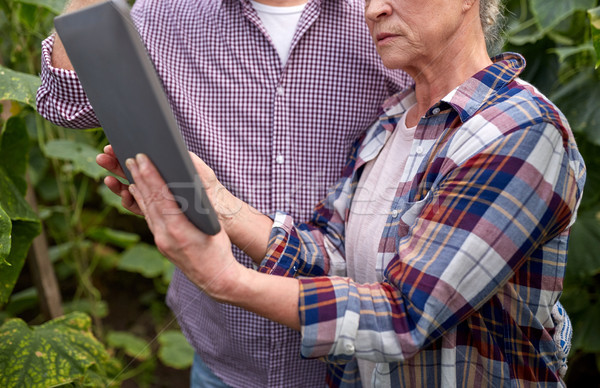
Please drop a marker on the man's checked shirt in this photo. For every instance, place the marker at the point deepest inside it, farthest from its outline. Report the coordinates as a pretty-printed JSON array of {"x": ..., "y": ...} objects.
[
  {"x": 473, "y": 254},
  {"x": 270, "y": 132}
]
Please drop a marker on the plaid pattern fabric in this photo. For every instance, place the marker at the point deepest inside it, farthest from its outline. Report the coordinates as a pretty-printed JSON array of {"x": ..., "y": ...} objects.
[
  {"x": 271, "y": 134},
  {"x": 473, "y": 253}
]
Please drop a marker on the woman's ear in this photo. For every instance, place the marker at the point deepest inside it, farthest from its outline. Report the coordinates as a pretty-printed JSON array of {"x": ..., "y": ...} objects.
[{"x": 468, "y": 4}]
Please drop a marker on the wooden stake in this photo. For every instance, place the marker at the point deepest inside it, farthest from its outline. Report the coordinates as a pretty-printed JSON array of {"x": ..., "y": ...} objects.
[{"x": 42, "y": 270}]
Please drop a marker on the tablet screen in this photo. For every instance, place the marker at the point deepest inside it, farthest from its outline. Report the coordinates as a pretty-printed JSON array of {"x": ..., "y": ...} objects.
[{"x": 126, "y": 93}]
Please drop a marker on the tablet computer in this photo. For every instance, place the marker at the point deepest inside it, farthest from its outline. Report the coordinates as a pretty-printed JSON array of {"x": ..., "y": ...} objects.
[{"x": 126, "y": 93}]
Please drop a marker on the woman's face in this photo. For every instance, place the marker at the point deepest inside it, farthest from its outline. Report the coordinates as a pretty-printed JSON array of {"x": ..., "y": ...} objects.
[{"x": 410, "y": 34}]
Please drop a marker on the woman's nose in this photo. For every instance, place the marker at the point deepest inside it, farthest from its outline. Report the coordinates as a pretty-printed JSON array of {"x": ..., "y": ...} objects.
[{"x": 375, "y": 9}]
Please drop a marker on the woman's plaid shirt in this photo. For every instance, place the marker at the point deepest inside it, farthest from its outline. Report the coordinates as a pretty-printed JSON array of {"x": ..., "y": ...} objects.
[{"x": 473, "y": 254}]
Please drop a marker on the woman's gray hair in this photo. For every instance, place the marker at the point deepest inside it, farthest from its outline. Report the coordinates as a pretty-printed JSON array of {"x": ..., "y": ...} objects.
[{"x": 490, "y": 13}]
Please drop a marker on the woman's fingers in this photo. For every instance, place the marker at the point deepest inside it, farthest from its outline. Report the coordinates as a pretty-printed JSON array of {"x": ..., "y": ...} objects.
[
  {"x": 108, "y": 160},
  {"x": 151, "y": 192},
  {"x": 206, "y": 260},
  {"x": 122, "y": 190}
]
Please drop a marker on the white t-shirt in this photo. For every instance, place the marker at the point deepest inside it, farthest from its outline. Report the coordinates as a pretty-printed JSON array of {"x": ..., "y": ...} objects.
[
  {"x": 281, "y": 23},
  {"x": 370, "y": 208}
]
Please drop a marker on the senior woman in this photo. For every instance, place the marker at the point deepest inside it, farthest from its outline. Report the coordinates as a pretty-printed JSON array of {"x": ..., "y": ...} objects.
[{"x": 438, "y": 257}]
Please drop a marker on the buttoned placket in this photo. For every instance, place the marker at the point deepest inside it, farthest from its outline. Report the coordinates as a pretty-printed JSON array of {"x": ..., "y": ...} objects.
[
  {"x": 281, "y": 195},
  {"x": 280, "y": 148}
]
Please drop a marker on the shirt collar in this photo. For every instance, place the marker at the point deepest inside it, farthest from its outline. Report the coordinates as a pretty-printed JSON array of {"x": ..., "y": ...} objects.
[
  {"x": 375, "y": 138},
  {"x": 468, "y": 98}
]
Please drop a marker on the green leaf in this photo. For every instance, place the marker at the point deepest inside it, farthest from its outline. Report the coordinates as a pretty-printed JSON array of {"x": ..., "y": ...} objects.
[
  {"x": 112, "y": 199},
  {"x": 58, "y": 352},
  {"x": 591, "y": 192},
  {"x": 38, "y": 165},
  {"x": 60, "y": 251},
  {"x": 522, "y": 32},
  {"x": 95, "y": 308},
  {"x": 5, "y": 234},
  {"x": 585, "y": 233},
  {"x": 23, "y": 234},
  {"x": 17, "y": 86},
  {"x": 566, "y": 52},
  {"x": 83, "y": 156},
  {"x": 174, "y": 350},
  {"x": 56, "y": 6},
  {"x": 551, "y": 12},
  {"x": 560, "y": 38},
  {"x": 586, "y": 327},
  {"x": 133, "y": 346},
  {"x": 575, "y": 298},
  {"x": 594, "y": 15},
  {"x": 168, "y": 273},
  {"x": 14, "y": 151},
  {"x": 27, "y": 14},
  {"x": 111, "y": 236},
  {"x": 22, "y": 301},
  {"x": 145, "y": 260},
  {"x": 525, "y": 38},
  {"x": 12, "y": 201},
  {"x": 18, "y": 223},
  {"x": 578, "y": 99}
]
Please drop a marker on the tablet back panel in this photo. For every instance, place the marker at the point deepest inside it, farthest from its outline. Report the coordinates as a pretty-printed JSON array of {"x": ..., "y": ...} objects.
[{"x": 127, "y": 96}]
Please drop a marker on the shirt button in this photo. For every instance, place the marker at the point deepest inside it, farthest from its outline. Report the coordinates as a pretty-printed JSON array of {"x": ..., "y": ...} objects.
[
  {"x": 280, "y": 91},
  {"x": 280, "y": 159},
  {"x": 419, "y": 150},
  {"x": 394, "y": 213},
  {"x": 435, "y": 111},
  {"x": 349, "y": 349}
]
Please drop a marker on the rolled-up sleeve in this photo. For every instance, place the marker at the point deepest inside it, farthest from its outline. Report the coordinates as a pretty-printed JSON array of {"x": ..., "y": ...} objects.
[
  {"x": 60, "y": 98},
  {"x": 315, "y": 248},
  {"x": 312, "y": 249}
]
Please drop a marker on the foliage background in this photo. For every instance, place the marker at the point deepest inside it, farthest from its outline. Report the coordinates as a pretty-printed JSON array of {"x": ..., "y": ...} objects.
[{"x": 116, "y": 330}]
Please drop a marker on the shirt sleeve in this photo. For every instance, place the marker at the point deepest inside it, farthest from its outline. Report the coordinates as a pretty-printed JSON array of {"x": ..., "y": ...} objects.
[
  {"x": 473, "y": 232},
  {"x": 311, "y": 249},
  {"x": 315, "y": 248},
  {"x": 60, "y": 98}
]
